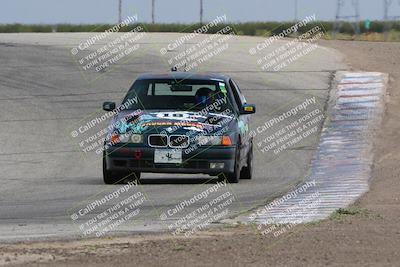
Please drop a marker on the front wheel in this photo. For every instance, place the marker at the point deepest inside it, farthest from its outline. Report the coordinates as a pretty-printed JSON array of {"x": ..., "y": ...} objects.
[
  {"x": 247, "y": 172},
  {"x": 233, "y": 177},
  {"x": 110, "y": 177}
]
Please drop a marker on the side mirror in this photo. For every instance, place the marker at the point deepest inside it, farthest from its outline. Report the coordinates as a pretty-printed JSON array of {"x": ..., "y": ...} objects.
[
  {"x": 108, "y": 106},
  {"x": 248, "y": 109}
]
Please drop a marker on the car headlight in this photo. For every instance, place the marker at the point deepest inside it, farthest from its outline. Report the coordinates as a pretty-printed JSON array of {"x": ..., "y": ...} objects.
[
  {"x": 124, "y": 138},
  {"x": 137, "y": 138},
  {"x": 206, "y": 140},
  {"x": 127, "y": 138}
]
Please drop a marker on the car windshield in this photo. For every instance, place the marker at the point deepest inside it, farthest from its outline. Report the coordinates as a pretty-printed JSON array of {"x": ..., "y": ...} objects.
[{"x": 178, "y": 95}]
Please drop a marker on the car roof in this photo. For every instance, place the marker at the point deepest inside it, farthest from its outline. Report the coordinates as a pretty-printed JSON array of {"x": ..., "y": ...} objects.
[{"x": 183, "y": 76}]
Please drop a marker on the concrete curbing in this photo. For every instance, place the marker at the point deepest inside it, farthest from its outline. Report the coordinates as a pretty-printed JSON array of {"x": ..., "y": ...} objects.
[{"x": 341, "y": 167}]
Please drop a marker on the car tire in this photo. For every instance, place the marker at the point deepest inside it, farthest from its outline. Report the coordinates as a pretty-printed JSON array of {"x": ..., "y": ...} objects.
[
  {"x": 247, "y": 172},
  {"x": 233, "y": 177},
  {"x": 134, "y": 176},
  {"x": 110, "y": 177},
  {"x": 120, "y": 177}
]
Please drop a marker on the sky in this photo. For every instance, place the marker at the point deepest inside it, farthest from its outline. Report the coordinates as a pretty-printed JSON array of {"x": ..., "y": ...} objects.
[{"x": 184, "y": 11}]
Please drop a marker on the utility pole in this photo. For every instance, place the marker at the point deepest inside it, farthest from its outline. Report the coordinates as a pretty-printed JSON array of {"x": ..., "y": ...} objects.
[
  {"x": 339, "y": 17},
  {"x": 386, "y": 9},
  {"x": 119, "y": 11},
  {"x": 153, "y": 20},
  {"x": 386, "y": 4},
  {"x": 388, "y": 18},
  {"x": 296, "y": 18},
  {"x": 201, "y": 11}
]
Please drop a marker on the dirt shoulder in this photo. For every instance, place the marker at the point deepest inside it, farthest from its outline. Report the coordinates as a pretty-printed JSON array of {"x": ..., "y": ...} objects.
[{"x": 369, "y": 237}]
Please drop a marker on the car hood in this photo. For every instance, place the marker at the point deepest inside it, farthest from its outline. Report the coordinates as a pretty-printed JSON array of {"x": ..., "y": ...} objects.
[{"x": 166, "y": 121}]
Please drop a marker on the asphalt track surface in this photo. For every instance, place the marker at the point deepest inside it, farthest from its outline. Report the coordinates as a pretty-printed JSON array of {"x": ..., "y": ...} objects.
[{"x": 45, "y": 177}]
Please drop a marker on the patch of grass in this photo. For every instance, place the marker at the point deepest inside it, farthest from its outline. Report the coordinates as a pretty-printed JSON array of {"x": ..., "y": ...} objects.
[
  {"x": 265, "y": 29},
  {"x": 92, "y": 247},
  {"x": 314, "y": 223},
  {"x": 392, "y": 36},
  {"x": 342, "y": 213},
  {"x": 179, "y": 248},
  {"x": 235, "y": 225}
]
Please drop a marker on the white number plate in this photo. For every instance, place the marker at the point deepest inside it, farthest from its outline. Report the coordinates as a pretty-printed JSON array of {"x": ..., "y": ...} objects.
[{"x": 168, "y": 156}]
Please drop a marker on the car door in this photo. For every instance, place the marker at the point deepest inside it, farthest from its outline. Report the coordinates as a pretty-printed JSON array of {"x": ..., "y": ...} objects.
[{"x": 243, "y": 121}]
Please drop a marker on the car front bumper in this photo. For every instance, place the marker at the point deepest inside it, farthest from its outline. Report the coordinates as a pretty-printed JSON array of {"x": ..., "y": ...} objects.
[{"x": 141, "y": 159}]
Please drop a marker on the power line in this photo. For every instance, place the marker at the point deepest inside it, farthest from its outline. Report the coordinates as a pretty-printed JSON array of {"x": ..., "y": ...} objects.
[
  {"x": 119, "y": 11},
  {"x": 201, "y": 11},
  {"x": 153, "y": 20},
  {"x": 339, "y": 17},
  {"x": 388, "y": 18}
]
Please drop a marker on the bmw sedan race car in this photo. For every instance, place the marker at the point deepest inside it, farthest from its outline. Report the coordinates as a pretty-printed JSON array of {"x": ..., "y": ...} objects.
[{"x": 179, "y": 122}]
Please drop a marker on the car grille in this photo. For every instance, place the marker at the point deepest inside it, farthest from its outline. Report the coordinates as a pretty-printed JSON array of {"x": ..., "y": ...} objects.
[
  {"x": 158, "y": 140},
  {"x": 190, "y": 164},
  {"x": 179, "y": 141},
  {"x": 174, "y": 141}
]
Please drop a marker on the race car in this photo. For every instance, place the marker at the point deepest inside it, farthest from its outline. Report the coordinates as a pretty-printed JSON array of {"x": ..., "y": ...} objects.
[{"x": 179, "y": 122}]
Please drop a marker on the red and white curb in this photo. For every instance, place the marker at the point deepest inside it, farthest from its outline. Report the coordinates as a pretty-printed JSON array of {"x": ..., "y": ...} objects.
[{"x": 341, "y": 167}]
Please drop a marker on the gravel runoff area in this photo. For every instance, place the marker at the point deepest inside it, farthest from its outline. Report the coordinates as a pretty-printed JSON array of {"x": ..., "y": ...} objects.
[{"x": 366, "y": 234}]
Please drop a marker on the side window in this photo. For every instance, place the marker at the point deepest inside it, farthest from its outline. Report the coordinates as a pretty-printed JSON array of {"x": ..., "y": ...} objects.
[{"x": 239, "y": 98}]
